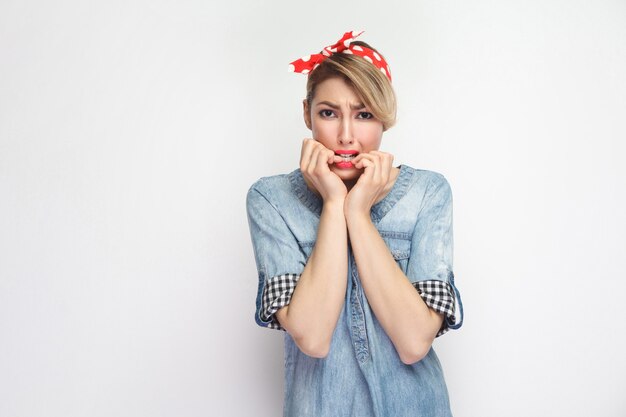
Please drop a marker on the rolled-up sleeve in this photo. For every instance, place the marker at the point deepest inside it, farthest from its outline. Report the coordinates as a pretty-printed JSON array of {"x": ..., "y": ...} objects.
[
  {"x": 278, "y": 256},
  {"x": 277, "y": 293},
  {"x": 430, "y": 263}
]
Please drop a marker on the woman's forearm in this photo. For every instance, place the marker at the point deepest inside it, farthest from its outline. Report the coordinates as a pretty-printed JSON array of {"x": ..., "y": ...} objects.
[
  {"x": 408, "y": 321},
  {"x": 316, "y": 303}
]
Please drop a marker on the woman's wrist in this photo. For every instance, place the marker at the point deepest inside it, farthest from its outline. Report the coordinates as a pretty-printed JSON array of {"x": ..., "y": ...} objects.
[
  {"x": 355, "y": 217},
  {"x": 334, "y": 204}
]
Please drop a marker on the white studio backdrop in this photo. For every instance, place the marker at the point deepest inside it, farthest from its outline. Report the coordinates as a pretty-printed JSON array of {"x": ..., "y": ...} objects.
[{"x": 131, "y": 131}]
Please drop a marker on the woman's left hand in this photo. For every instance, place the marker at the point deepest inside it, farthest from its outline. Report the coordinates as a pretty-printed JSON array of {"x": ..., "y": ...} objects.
[{"x": 372, "y": 184}]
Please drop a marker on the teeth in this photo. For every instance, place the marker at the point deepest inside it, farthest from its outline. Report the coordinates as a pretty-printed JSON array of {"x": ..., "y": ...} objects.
[{"x": 347, "y": 157}]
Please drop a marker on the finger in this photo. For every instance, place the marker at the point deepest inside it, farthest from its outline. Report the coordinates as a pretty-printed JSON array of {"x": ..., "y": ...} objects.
[
  {"x": 363, "y": 163},
  {"x": 376, "y": 174},
  {"x": 324, "y": 158},
  {"x": 387, "y": 165},
  {"x": 367, "y": 160},
  {"x": 323, "y": 152},
  {"x": 359, "y": 158},
  {"x": 383, "y": 165},
  {"x": 313, "y": 160},
  {"x": 330, "y": 156},
  {"x": 386, "y": 157},
  {"x": 320, "y": 165},
  {"x": 305, "y": 153}
]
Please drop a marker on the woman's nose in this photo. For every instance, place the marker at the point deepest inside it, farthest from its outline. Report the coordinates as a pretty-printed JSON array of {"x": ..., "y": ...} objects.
[{"x": 345, "y": 136}]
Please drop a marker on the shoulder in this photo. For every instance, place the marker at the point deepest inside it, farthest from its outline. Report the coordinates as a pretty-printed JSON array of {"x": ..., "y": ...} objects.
[
  {"x": 427, "y": 180},
  {"x": 267, "y": 185},
  {"x": 275, "y": 189}
]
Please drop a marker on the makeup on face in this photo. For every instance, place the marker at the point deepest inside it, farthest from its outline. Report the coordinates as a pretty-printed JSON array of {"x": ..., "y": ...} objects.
[
  {"x": 346, "y": 158},
  {"x": 336, "y": 117}
]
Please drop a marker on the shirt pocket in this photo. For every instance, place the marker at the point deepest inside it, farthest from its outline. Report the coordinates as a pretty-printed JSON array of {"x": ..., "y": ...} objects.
[{"x": 399, "y": 245}]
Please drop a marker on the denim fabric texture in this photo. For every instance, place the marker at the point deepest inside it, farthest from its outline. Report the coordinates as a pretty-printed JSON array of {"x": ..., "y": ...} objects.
[{"x": 362, "y": 375}]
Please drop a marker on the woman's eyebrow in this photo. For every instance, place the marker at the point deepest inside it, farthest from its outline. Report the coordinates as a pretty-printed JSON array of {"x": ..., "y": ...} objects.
[
  {"x": 357, "y": 106},
  {"x": 328, "y": 103}
]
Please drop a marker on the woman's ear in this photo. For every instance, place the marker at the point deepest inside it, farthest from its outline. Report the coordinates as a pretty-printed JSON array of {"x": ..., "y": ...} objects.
[{"x": 306, "y": 113}]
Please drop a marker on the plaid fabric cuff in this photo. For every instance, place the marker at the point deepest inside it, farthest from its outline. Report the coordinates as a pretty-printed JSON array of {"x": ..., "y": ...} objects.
[
  {"x": 439, "y": 296},
  {"x": 276, "y": 295}
]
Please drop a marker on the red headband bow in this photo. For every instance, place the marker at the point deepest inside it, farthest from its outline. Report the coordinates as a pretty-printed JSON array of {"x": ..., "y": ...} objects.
[{"x": 308, "y": 63}]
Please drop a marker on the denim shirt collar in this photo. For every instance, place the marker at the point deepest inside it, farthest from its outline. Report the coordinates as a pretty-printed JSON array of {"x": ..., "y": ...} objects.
[{"x": 314, "y": 202}]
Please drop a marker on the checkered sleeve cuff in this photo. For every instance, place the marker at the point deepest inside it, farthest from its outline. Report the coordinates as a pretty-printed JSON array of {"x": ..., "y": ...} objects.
[
  {"x": 439, "y": 296},
  {"x": 276, "y": 295}
]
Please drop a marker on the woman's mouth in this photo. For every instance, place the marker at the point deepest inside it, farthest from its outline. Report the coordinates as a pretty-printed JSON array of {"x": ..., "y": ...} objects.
[{"x": 346, "y": 158}]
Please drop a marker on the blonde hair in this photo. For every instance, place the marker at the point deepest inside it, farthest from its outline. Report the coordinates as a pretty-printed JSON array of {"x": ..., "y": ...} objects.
[{"x": 369, "y": 82}]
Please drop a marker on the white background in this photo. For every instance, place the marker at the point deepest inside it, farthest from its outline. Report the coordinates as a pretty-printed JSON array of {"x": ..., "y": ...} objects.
[{"x": 131, "y": 131}]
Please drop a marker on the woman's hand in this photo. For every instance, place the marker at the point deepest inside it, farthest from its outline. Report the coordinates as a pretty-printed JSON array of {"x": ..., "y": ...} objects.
[
  {"x": 372, "y": 185},
  {"x": 315, "y": 161}
]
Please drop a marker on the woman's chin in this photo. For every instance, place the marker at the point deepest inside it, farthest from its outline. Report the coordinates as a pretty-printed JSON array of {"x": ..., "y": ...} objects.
[{"x": 347, "y": 173}]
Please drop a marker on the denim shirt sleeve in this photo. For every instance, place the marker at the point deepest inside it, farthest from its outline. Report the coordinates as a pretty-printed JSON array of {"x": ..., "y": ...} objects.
[
  {"x": 432, "y": 244},
  {"x": 276, "y": 249}
]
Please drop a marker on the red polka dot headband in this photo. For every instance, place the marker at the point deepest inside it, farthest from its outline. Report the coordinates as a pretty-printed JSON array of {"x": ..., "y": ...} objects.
[{"x": 308, "y": 63}]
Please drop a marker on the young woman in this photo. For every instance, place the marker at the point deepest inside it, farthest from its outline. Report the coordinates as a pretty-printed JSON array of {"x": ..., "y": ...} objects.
[{"x": 355, "y": 255}]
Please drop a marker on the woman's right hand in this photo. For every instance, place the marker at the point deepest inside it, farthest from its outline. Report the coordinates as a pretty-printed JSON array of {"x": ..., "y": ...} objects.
[{"x": 315, "y": 161}]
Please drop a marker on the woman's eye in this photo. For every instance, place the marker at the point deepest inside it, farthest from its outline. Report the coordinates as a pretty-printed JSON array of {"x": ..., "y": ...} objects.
[
  {"x": 327, "y": 113},
  {"x": 365, "y": 115}
]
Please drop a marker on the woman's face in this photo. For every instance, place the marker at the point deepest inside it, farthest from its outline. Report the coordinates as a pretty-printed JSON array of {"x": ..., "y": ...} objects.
[{"x": 340, "y": 121}]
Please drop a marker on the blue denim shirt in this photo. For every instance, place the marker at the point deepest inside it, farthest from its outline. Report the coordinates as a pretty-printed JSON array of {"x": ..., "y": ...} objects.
[{"x": 362, "y": 374}]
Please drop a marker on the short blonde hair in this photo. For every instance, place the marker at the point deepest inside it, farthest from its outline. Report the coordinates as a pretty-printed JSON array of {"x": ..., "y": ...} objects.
[{"x": 369, "y": 82}]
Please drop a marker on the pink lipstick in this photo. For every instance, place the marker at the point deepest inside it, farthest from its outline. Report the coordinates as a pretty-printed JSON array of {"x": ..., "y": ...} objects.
[{"x": 346, "y": 158}]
